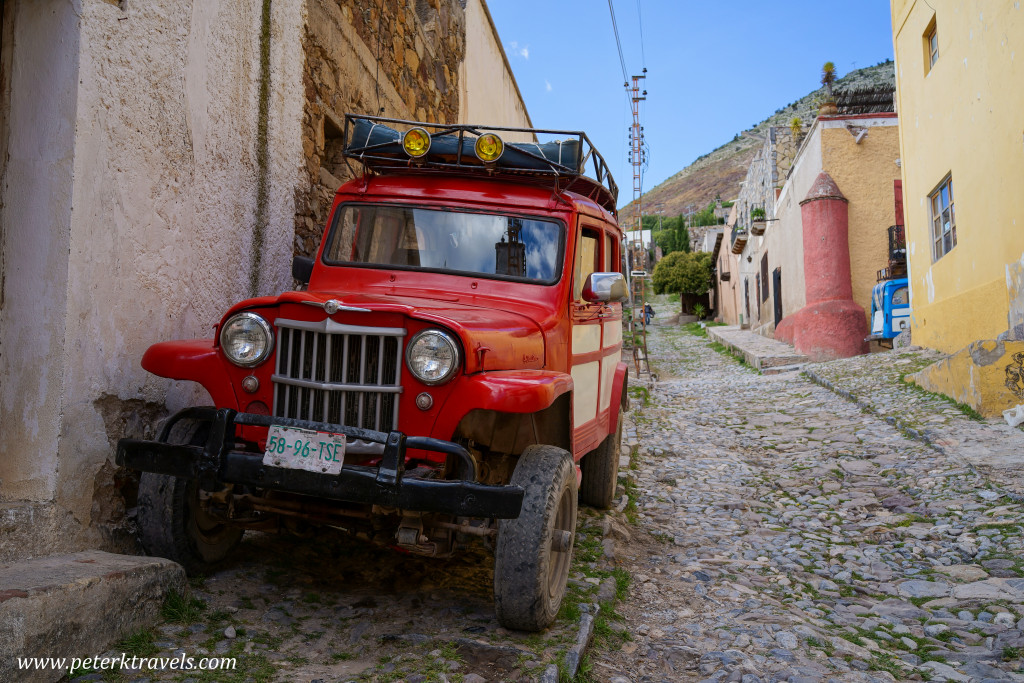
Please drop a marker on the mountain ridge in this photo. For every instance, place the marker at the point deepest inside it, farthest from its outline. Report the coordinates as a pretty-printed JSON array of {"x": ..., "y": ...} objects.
[{"x": 720, "y": 171}]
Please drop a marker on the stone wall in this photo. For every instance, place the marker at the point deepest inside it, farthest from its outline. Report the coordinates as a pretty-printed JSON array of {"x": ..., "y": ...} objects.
[{"x": 394, "y": 58}]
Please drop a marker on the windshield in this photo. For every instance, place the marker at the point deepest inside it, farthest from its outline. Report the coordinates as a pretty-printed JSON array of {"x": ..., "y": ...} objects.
[{"x": 462, "y": 242}]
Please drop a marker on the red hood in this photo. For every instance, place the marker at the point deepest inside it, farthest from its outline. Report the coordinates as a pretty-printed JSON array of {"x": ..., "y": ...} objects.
[{"x": 493, "y": 337}]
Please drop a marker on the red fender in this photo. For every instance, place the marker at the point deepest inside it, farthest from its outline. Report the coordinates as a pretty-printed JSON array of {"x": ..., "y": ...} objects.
[
  {"x": 509, "y": 391},
  {"x": 195, "y": 360}
]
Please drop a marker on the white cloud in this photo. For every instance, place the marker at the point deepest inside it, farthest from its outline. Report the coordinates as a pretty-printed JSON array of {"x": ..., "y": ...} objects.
[
  {"x": 547, "y": 86},
  {"x": 523, "y": 51}
]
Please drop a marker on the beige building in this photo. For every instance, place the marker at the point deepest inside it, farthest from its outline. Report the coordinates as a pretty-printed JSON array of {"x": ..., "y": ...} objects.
[
  {"x": 726, "y": 294},
  {"x": 160, "y": 161},
  {"x": 860, "y": 153}
]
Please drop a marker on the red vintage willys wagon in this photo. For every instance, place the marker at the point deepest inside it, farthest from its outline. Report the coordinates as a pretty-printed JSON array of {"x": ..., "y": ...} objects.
[{"x": 452, "y": 368}]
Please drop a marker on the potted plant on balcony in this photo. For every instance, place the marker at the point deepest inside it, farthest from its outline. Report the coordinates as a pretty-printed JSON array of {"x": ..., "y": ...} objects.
[
  {"x": 827, "y": 107},
  {"x": 758, "y": 221}
]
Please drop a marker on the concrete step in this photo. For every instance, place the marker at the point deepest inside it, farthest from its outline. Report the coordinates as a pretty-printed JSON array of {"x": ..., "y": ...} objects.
[
  {"x": 77, "y": 605},
  {"x": 779, "y": 369}
]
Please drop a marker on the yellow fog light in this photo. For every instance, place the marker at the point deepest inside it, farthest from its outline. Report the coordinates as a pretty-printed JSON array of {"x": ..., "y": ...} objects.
[
  {"x": 489, "y": 147},
  {"x": 416, "y": 142}
]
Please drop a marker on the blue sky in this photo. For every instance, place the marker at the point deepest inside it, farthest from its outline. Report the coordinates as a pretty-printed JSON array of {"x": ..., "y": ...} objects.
[{"x": 714, "y": 68}]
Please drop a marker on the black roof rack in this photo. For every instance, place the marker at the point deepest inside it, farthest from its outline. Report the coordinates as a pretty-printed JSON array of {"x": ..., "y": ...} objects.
[{"x": 377, "y": 143}]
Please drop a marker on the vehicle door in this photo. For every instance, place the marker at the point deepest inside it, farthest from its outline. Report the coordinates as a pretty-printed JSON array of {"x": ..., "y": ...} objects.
[{"x": 596, "y": 339}]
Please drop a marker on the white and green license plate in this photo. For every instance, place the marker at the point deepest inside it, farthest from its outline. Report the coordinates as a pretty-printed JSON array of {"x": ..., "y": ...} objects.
[{"x": 304, "y": 449}]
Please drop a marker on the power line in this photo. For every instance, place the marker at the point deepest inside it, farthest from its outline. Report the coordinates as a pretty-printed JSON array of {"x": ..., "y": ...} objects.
[
  {"x": 618, "y": 43},
  {"x": 640, "y": 20}
]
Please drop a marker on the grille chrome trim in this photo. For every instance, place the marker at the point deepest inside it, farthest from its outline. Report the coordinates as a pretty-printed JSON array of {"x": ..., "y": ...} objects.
[{"x": 342, "y": 374}]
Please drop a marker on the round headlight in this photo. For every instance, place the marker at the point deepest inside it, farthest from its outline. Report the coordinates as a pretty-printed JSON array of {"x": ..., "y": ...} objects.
[
  {"x": 246, "y": 339},
  {"x": 416, "y": 142},
  {"x": 489, "y": 147},
  {"x": 432, "y": 356}
]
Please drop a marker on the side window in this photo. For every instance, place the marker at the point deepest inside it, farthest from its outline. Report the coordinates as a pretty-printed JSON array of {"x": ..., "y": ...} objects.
[
  {"x": 943, "y": 218},
  {"x": 931, "y": 46},
  {"x": 901, "y": 297},
  {"x": 610, "y": 264},
  {"x": 588, "y": 258}
]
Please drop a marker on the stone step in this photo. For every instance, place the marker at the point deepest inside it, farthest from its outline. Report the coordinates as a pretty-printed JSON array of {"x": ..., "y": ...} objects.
[
  {"x": 779, "y": 369},
  {"x": 77, "y": 605}
]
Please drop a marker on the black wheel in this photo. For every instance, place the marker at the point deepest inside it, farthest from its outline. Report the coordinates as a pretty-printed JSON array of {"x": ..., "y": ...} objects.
[
  {"x": 533, "y": 552},
  {"x": 172, "y": 524},
  {"x": 600, "y": 469}
]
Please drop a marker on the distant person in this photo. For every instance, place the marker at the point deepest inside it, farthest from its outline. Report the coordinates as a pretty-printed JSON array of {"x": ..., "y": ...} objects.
[{"x": 648, "y": 314}]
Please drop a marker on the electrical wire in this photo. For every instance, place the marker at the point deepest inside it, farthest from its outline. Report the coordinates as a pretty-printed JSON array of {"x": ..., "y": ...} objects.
[
  {"x": 618, "y": 43},
  {"x": 640, "y": 20}
]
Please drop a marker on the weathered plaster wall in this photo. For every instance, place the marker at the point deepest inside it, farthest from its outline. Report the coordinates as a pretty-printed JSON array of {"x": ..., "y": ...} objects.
[
  {"x": 865, "y": 172},
  {"x": 421, "y": 45},
  {"x": 489, "y": 93},
  {"x": 961, "y": 117},
  {"x": 765, "y": 178},
  {"x": 784, "y": 237},
  {"x": 987, "y": 375},
  {"x": 161, "y": 166},
  {"x": 728, "y": 305},
  {"x": 36, "y": 197}
]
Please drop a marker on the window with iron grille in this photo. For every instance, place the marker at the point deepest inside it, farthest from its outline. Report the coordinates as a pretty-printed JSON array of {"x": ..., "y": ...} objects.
[{"x": 943, "y": 219}]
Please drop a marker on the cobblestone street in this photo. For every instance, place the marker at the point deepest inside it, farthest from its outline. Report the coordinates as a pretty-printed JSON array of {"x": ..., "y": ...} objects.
[{"x": 783, "y": 534}]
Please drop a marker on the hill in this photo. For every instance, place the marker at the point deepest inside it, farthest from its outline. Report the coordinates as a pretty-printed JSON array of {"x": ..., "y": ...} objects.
[{"x": 719, "y": 172}]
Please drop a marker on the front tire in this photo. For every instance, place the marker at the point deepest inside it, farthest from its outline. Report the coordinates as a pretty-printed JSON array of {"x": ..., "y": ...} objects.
[
  {"x": 534, "y": 551},
  {"x": 600, "y": 469},
  {"x": 173, "y": 524}
]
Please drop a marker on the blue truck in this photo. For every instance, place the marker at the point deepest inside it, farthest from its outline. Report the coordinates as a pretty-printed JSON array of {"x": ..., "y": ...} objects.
[{"x": 890, "y": 310}]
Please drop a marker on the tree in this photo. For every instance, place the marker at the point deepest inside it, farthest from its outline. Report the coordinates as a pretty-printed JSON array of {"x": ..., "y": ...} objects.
[{"x": 683, "y": 272}]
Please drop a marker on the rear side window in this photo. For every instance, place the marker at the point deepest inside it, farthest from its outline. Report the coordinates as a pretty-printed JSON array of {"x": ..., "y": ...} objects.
[{"x": 588, "y": 258}]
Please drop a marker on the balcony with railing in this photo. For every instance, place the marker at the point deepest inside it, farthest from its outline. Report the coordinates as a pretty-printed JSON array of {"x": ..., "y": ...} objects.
[
  {"x": 739, "y": 240},
  {"x": 897, "y": 255}
]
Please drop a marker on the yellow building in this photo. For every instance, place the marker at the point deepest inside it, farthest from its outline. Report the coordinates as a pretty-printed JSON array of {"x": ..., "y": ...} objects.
[{"x": 960, "y": 97}]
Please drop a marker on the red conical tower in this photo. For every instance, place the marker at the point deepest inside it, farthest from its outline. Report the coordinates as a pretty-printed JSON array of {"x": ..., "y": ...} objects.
[{"x": 831, "y": 325}]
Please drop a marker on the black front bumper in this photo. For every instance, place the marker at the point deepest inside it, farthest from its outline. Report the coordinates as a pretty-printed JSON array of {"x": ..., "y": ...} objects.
[{"x": 214, "y": 465}]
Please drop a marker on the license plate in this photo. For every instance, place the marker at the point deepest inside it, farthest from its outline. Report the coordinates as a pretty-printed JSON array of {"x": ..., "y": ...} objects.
[{"x": 304, "y": 449}]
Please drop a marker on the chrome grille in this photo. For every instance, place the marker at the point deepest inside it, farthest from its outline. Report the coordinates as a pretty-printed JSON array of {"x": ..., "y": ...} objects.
[{"x": 342, "y": 374}]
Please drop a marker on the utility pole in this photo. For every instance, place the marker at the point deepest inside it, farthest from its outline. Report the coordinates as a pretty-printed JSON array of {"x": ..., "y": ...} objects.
[{"x": 637, "y": 289}]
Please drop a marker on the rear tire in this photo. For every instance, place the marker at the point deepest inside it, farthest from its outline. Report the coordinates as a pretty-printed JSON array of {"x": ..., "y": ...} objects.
[
  {"x": 600, "y": 468},
  {"x": 534, "y": 551}
]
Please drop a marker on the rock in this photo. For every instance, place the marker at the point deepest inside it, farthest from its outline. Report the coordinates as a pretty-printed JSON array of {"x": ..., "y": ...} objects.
[
  {"x": 923, "y": 589},
  {"x": 989, "y": 589},
  {"x": 1005, "y": 619},
  {"x": 786, "y": 640},
  {"x": 944, "y": 672},
  {"x": 963, "y": 572},
  {"x": 230, "y": 632}
]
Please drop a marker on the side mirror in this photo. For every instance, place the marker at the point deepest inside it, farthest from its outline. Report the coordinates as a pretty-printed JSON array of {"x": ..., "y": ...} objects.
[
  {"x": 302, "y": 269},
  {"x": 604, "y": 287}
]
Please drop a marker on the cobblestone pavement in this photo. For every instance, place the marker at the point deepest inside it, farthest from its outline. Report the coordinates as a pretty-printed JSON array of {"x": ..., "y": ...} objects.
[
  {"x": 875, "y": 382},
  {"x": 782, "y": 533},
  {"x": 334, "y": 608}
]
